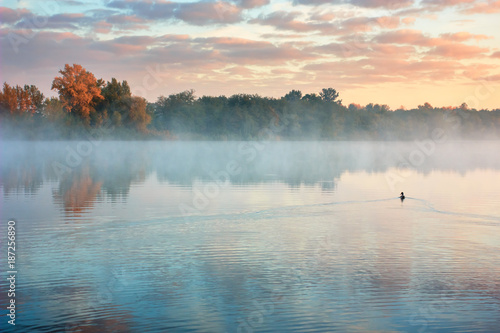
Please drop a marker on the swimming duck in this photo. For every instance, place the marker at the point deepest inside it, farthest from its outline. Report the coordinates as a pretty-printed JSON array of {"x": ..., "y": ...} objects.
[{"x": 402, "y": 196}]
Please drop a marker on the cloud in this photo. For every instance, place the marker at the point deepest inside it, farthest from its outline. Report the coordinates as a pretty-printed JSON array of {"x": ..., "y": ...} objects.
[
  {"x": 282, "y": 20},
  {"x": 408, "y": 20},
  {"x": 9, "y": 16},
  {"x": 65, "y": 21},
  {"x": 369, "y": 23},
  {"x": 146, "y": 9},
  {"x": 196, "y": 13},
  {"x": 463, "y": 36},
  {"x": 125, "y": 19},
  {"x": 448, "y": 45},
  {"x": 203, "y": 13},
  {"x": 281, "y": 36},
  {"x": 363, "y": 49},
  {"x": 491, "y": 78},
  {"x": 328, "y": 16},
  {"x": 387, "y": 4},
  {"x": 459, "y": 51},
  {"x": 245, "y": 51},
  {"x": 102, "y": 27},
  {"x": 350, "y": 40},
  {"x": 467, "y": 6},
  {"x": 406, "y": 36},
  {"x": 72, "y": 2},
  {"x": 445, "y": 3},
  {"x": 51, "y": 50},
  {"x": 385, "y": 70},
  {"x": 484, "y": 8},
  {"x": 252, "y": 3},
  {"x": 124, "y": 44}
]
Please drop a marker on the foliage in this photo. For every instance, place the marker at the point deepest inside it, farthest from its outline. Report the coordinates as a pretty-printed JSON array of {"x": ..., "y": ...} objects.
[
  {"x": 78, "y": 90},
  {"x": 18, "y": 101},
  {"x": 87, "y": 104}
]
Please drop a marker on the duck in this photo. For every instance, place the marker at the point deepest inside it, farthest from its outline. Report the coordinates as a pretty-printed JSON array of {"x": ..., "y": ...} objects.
[{"x": 402, "y": 196}]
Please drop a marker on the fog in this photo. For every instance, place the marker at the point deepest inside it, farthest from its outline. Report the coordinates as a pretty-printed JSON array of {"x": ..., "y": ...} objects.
[{"x": 114, "y": 165}]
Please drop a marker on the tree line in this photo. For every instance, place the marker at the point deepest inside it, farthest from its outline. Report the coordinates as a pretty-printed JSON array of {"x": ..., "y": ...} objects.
[{"x": 86, "y": 104}]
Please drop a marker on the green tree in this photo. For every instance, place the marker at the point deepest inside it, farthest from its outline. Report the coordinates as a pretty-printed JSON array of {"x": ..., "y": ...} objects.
[
  {"x": 311, "y": 98},
  {"x": 329, "y": 95},
  {"x": 53, "y": 109},
  {"x": 175, "y": 111},
  {"x": 293, "y": 96}
]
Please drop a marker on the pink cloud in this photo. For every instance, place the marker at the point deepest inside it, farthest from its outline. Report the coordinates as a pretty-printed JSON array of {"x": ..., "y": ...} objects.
[
  {"x": 202, "y": 13},
  {"x": 408, "y": 20},
  {"x": 491, "y": 78},
  {"x": 281, "y": 36},
  {"x": 459, "y": 51},
  {"x": 9, "y": 15},
  {"x": 288, "y": 55},
  {"x": 389, "y": 4},
  {"x": 407, "y": 36},
  {"x": 477, "y": 71},
  {"x": 448, "y": 45},
  {"x": 384, "y": 70},
  {"x": 323, "y": 16},
  {"x": 282, "y": 20},
  {"x": 173, "y": 38},
  {"x": 369, "y": 50},
  {"x": 195, "y": 13},
  {"x": 102, "y": 27},
  {"x": 369, "y": 23},
  {"x": 447, "y": 2},
  {"x": 484, "y": 8},
  {"x": 463, "y": 36}
]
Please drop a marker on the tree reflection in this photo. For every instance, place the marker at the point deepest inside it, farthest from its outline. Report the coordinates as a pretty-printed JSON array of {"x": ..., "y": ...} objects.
[
  {"x": 112, "y": 167},
  {"x": 78, "y": 191}
]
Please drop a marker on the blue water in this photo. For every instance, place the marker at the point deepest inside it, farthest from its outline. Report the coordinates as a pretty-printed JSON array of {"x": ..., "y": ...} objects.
[{"x": 306, "y": 237}]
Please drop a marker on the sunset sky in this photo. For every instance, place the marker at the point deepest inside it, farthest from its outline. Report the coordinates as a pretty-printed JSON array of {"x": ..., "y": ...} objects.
[{"x": 382, "y": 51}]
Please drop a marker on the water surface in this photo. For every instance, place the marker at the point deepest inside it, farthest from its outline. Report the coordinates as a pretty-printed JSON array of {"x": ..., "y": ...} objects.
[{"x": 253, "y": 236}]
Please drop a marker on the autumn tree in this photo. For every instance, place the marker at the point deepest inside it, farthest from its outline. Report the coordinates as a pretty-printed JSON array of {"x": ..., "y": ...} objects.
[
  {"x": 8, "y": 99},
  {"x": 79, "y": 91},
  {"x": 137, "y": 116},
  {"x": 17, "y": 100}
]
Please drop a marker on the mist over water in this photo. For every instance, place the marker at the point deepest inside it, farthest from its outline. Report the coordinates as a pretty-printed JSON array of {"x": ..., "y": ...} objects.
[
  {"x": 254, "y": 235},
  {"x": 26, "y": 165}
]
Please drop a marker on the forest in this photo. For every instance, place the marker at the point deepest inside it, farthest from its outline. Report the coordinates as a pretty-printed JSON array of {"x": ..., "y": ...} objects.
[{"x": 87, "y": 106}]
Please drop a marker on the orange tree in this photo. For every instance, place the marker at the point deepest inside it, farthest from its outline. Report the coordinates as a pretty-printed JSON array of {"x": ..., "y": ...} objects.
[{"x": 79, "y": 91}]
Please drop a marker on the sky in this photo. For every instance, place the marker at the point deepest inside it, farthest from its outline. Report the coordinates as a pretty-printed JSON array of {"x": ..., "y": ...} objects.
[{"x": 394, "y": 52}]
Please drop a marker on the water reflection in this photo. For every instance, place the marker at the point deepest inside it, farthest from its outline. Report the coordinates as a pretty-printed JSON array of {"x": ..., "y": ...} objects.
[
  {"x": 111, "y": 167},
  {"x": 313, "y": 244},
  {"x": 78, "y": 190}
]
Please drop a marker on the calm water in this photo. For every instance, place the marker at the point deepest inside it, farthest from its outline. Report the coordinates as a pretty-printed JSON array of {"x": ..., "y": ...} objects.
[{"x": 252, "y": 237}]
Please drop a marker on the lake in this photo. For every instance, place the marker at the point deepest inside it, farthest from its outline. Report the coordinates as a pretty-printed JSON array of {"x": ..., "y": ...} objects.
[{"x": 252, "y": 236}]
